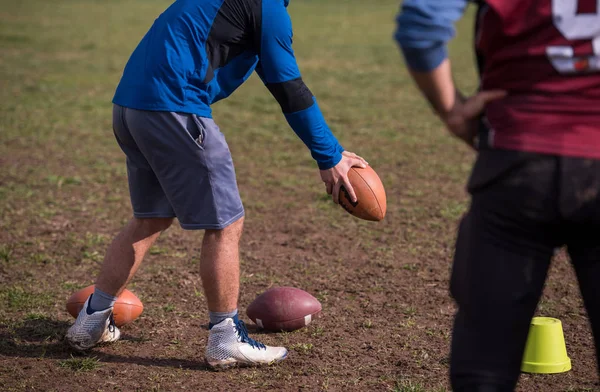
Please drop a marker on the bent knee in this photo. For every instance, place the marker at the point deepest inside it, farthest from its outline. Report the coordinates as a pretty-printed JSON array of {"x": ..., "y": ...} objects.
[{"x": 154, "y": 225}]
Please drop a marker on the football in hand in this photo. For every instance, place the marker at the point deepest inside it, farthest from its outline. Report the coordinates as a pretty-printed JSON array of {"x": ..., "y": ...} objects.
[
  {"x": 371, "y": 201},
  {"x": 127, "y": 308},
  {"x": 284, "y": 309}
]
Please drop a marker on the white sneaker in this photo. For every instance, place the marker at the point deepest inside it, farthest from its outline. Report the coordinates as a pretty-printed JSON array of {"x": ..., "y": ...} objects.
[
  {"x": 92, "y": 329},
  {"x": 229, "y": 345}
]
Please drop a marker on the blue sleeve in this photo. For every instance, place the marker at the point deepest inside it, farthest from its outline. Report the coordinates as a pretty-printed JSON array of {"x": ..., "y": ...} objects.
[
  {"x": 311, "y": 128},
  {"x": 424, "y": 28},
  {"x": 279, "y": 71},
  {"x": 275, "y": 52}
]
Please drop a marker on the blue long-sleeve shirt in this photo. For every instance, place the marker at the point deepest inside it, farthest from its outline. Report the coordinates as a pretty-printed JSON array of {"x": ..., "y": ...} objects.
[
  {"x": 198, "y": 52},
  {"x": 423, "y": 29}
]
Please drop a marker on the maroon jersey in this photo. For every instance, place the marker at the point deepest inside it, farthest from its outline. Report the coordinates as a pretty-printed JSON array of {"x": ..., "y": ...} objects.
[{"x": 546, "y": 54}]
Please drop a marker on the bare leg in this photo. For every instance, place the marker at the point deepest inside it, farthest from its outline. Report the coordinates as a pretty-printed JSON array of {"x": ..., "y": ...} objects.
[
  {"x": 220, "y": 267},
  {"x": 228, "y": 340},
  {"x": 126, "y": 252}
]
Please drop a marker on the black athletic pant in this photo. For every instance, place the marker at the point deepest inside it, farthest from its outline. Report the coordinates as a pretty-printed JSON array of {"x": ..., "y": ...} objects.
[{"x": 523, "y": 207}]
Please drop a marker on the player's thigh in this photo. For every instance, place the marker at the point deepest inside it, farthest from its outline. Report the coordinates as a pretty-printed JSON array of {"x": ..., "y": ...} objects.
[
  {"x": 147, "y": 196},
  {"x": 502, "y": 255},
  {"x": 193, "y": 163},
  {"x": 495, "y": 274},
  {"x": 512, "y": 224},
  {"x": 219, "y": 165}
]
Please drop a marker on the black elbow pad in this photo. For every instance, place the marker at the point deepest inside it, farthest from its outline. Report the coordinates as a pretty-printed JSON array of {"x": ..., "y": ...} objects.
[{"x": 293, "y": 95}]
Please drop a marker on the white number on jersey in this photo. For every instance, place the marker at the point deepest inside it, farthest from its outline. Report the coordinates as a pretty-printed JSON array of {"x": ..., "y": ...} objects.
[{"x": 574, "y": 26}]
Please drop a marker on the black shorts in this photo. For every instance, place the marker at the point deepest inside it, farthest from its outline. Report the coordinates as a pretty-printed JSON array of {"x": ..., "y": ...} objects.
[{"x": 523, "y": 207}]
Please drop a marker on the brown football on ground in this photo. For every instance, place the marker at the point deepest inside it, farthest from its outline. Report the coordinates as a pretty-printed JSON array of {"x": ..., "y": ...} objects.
[
  {"x": 371, "y": 203},
  {"x": 127, "y": 308},
  {"x": 284, "y": 309}
]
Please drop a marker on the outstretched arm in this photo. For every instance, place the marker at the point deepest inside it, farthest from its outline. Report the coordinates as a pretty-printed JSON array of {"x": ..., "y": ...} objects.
[
  {"x": 424, "y": 28},
  {"x": 279, "y": 71}
]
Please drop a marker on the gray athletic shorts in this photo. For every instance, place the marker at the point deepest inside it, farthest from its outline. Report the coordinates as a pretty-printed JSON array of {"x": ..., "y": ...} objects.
[{"x": 178, "y": 165}]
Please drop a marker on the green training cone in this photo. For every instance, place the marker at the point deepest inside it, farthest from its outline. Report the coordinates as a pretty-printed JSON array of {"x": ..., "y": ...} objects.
[{"x": 545, "y": 351}]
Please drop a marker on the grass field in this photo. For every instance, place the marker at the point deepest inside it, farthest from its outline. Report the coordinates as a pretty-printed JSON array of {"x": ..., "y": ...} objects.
[{"x": 63, "y": 193}]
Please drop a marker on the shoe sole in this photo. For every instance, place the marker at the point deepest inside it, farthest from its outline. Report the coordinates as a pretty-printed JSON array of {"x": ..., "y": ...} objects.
[
  {"x": 75, "y": 346},
  {"x": 229, "y": 364}
]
